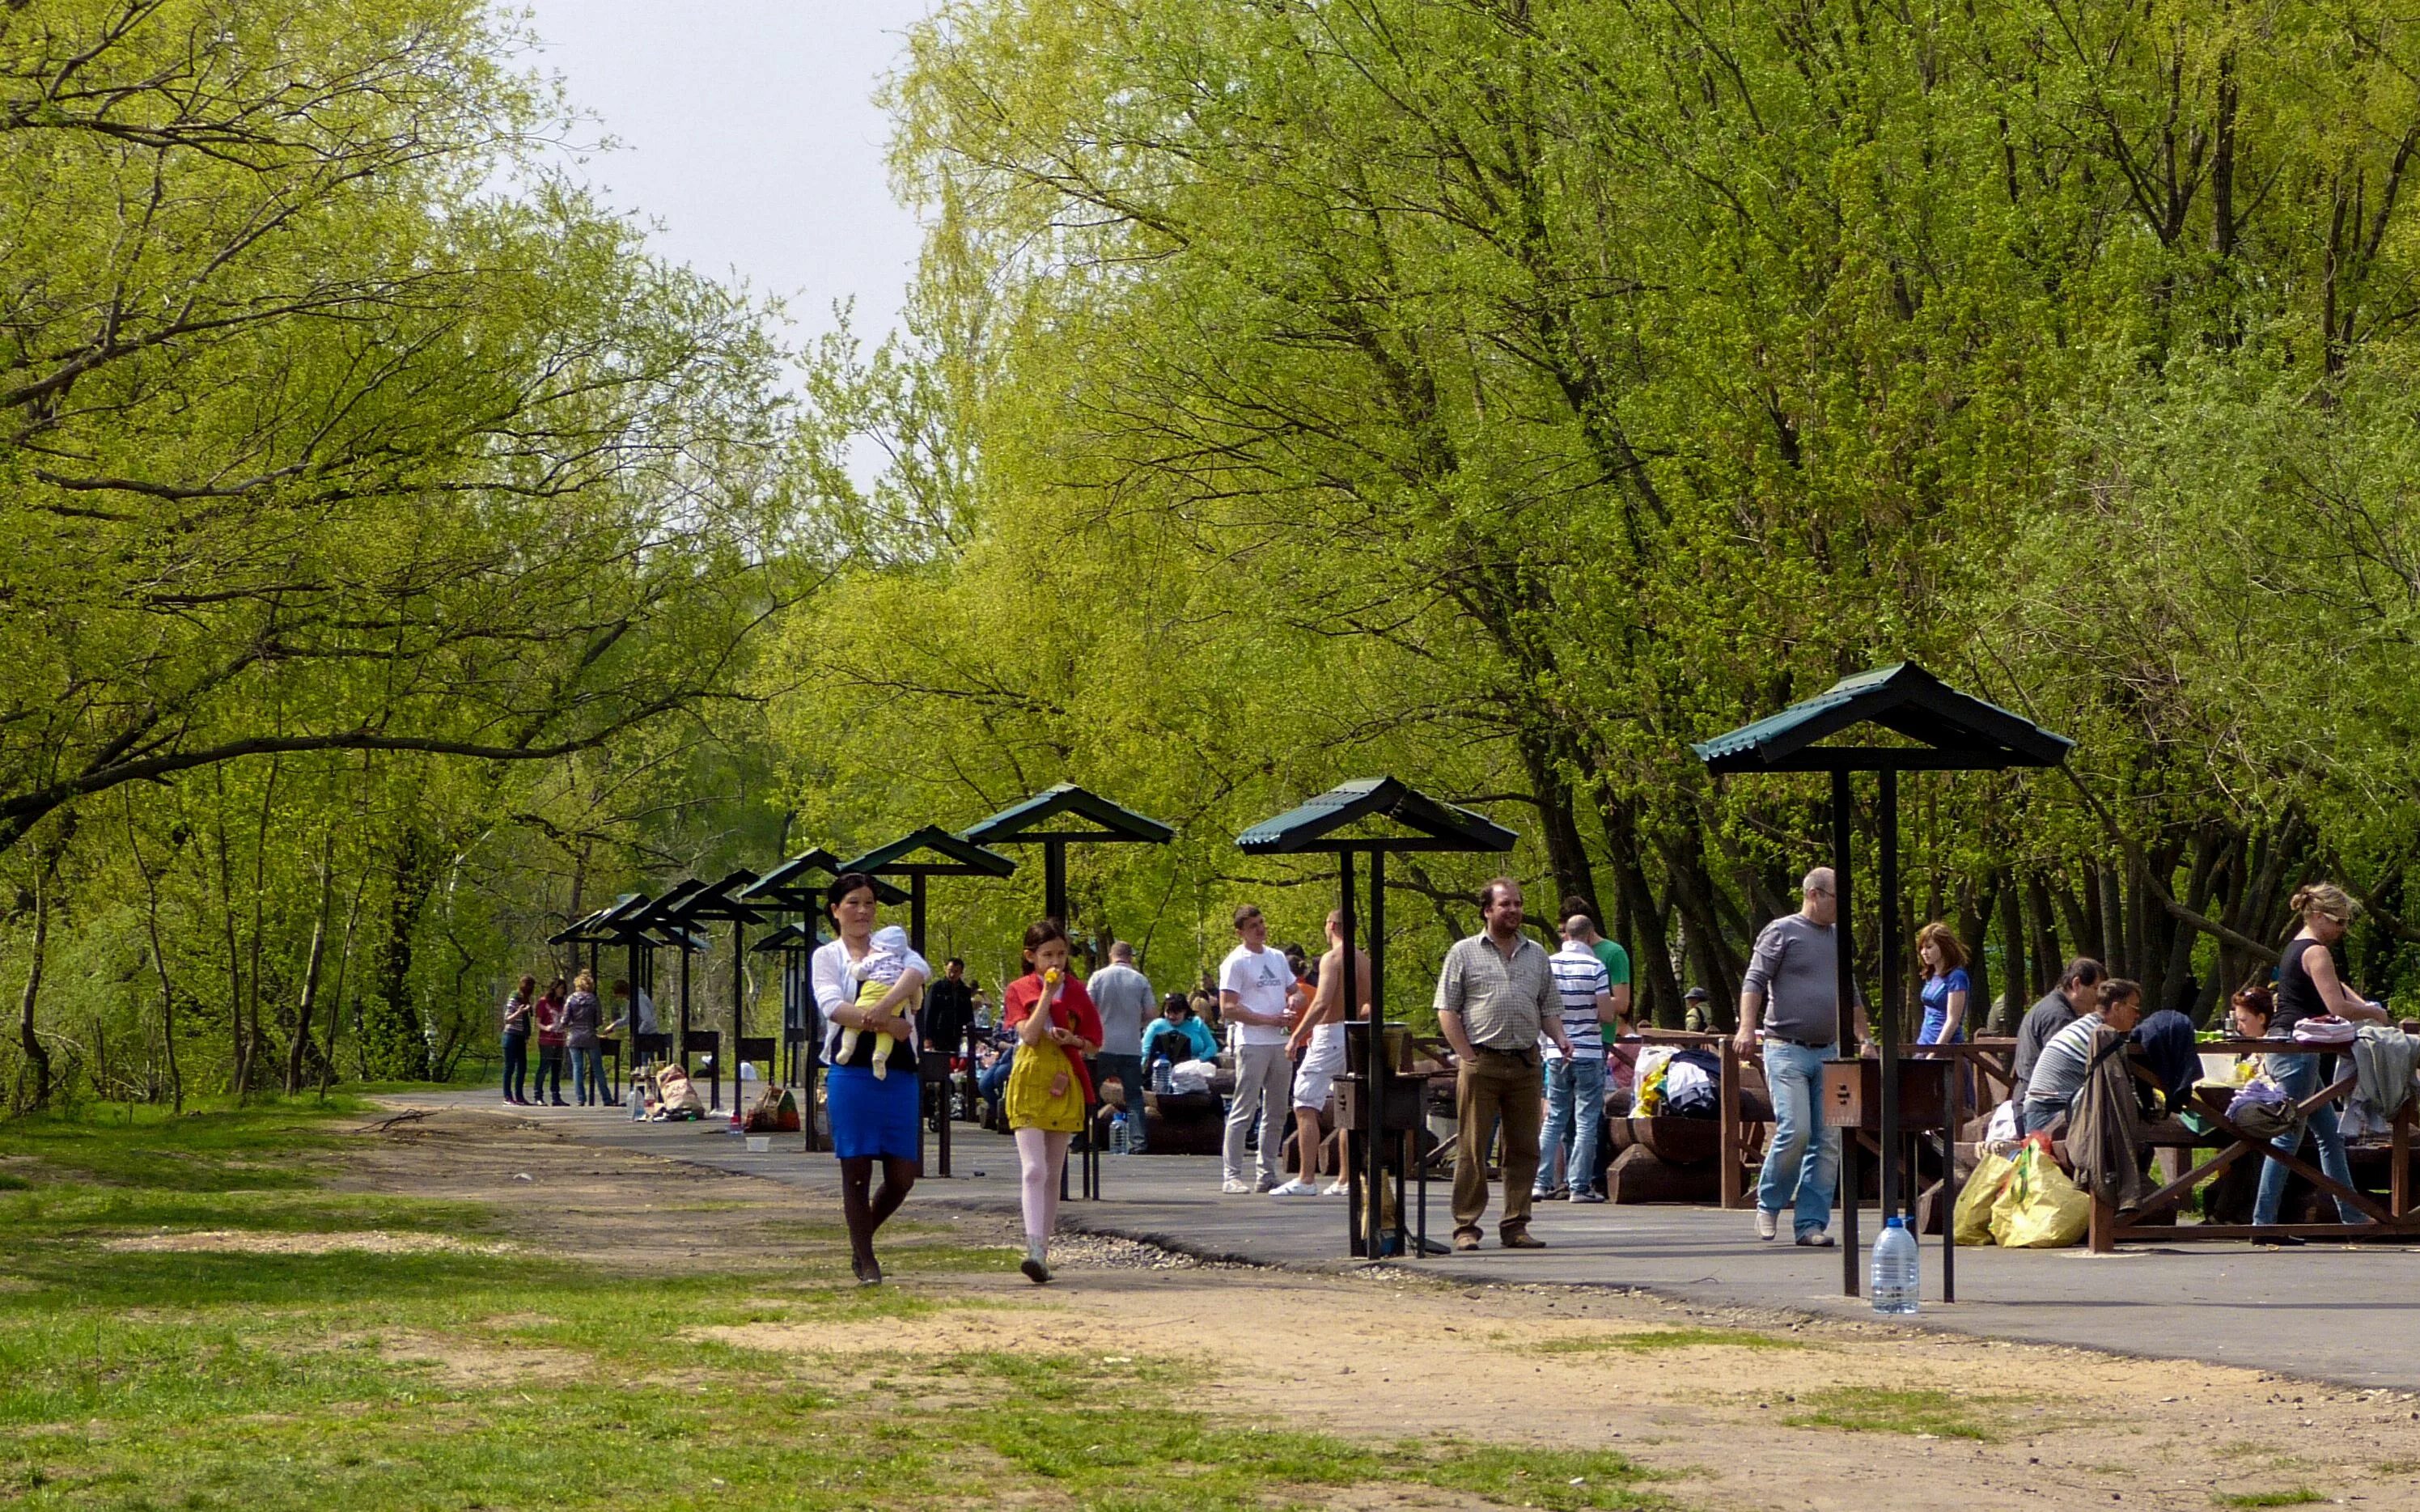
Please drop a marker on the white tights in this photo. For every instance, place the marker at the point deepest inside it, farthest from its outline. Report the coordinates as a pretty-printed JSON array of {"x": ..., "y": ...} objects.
[{"x": 1040, "y": 1153}]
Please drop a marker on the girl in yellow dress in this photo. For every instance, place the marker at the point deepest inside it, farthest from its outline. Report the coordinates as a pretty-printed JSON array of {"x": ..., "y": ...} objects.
[{"x": 1049, "y": 1088}]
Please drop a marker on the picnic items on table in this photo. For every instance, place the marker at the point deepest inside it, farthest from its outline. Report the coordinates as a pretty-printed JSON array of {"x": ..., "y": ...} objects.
[{"x": 2325, "y": 1029}]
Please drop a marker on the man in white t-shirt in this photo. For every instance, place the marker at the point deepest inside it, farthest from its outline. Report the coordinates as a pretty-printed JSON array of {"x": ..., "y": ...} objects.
[{"x": 1254, "y": 982}]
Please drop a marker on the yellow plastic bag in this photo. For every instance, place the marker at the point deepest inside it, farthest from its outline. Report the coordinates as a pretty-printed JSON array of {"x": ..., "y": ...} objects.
[
  {"x": 1981, "y": 1194},
  {"x": 2039, "y": 1208}
]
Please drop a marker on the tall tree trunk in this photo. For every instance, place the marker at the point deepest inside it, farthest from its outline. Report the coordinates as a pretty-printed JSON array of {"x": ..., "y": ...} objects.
[
  {"x": 2050, "y": 961},
  {"x": 2015, "y": 979},
  {"x": 37, "y": 1056},
  {"x": 159, "y": 966},
  {"x": 294, "y": 1051},
  {"x": 1974, "y": 931},
  {"x": 2108, "y": 890},
  {"x": 1566, "y": 854},
  {"x": 1655, "y": 995}
]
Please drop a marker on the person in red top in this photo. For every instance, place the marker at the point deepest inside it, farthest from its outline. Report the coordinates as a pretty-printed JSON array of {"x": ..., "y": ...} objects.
[
  {"x": 1057, "y": 1028},
  {"x": 551, "y": 1036}
]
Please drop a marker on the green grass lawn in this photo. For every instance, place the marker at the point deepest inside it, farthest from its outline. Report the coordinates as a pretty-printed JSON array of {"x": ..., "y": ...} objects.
[{"x": 474, "y": 1378}]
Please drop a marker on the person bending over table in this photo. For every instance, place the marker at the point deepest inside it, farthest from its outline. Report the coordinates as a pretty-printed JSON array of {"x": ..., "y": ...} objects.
[{"x": 2310, "y": 986}]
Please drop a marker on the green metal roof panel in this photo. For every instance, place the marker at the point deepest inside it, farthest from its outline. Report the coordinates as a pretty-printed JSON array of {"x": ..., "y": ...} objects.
[
  {"x": 957, "y": 857},
  {"x": 1117, "y": 822},
  {"x": 1965, "y": 731},
  {"x": 1315, "y": 825}
]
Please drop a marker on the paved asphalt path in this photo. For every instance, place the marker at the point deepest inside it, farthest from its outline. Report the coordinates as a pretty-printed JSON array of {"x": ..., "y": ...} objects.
[{"x": 2348, "y": 1314}]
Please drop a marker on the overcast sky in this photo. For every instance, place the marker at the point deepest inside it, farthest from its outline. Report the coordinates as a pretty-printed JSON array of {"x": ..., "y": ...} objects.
[{"x": 748, "y": 133}]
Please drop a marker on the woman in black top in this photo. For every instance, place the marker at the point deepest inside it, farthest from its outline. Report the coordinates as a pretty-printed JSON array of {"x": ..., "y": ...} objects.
[{"x": 2308, "y": 986}]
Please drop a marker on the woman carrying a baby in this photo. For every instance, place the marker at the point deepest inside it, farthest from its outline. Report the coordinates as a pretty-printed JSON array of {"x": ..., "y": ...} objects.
[
  {"x": 867, "y": 984},
  {"x": 1057, "y": 1029}
]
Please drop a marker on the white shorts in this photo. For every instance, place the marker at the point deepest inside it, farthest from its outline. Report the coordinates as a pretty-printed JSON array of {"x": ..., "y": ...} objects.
[{"x": 1315, "y": 1080}]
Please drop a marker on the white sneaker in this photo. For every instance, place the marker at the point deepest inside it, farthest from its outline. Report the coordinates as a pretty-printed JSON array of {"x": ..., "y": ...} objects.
[
  {"x": 1295, "y": 1189},
  {"x": 1336, "y": 1189},
  {"x": 1767, "y": 1223},
  {"x": 1236, "y": 1188}
]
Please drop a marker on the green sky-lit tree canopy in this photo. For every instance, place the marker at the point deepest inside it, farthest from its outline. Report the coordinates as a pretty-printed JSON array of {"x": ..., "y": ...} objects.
[{"x": 1500, "y": 395}]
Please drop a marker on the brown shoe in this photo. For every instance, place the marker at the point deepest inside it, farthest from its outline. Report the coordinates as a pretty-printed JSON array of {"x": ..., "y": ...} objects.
[
  {"x": 1522, "y": 1238},
  {"x": 1465, "y": 1243}
]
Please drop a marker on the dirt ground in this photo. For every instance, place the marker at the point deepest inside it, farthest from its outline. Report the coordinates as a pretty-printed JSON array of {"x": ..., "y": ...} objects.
[{"x": 1704, "y": 1395}]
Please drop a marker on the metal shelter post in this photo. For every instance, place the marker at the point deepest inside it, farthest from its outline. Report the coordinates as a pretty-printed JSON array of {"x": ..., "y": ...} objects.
[
  {"x": 1886, "y": 1007},
  {"x": 1926, "y": 725},
  {"x": 1374, "y": 815},
  {"x": 1845, "y": 1024},
  {"x": 1019, "y": 825}
]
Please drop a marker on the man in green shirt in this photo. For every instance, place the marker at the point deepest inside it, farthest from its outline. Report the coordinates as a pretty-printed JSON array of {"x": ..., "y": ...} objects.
[{"x": 1616, "y": 958}]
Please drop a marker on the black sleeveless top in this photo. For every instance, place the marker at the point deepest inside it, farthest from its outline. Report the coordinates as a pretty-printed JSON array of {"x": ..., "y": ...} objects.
[{"x": 2297, "y": 996}]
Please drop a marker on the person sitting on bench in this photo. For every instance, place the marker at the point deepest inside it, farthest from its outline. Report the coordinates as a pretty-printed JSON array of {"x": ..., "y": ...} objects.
[{"x": 2059, "y": 1073}]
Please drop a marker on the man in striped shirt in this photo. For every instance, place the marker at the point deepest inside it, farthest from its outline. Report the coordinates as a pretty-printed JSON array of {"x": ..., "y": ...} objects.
[{"x": 1575, "y": 1082}]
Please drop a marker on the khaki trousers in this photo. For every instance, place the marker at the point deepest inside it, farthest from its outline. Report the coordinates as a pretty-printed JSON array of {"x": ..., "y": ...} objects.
[{"x": 1506, "y": 1087}]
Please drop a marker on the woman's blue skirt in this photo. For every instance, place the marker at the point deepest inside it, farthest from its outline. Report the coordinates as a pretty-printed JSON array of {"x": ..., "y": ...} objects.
[{"x": 870, "y": 1117}]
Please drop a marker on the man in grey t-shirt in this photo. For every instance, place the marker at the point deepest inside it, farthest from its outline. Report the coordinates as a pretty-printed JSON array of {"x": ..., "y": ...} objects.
[
  {"x": 1122, "y": 996},
  {"x": 1792, "y": 988}
]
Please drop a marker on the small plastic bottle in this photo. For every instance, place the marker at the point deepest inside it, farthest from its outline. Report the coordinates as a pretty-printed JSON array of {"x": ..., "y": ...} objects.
[
  {"x": 1118, "y": 1133},
  {"x": 1894, "y": 1275}
]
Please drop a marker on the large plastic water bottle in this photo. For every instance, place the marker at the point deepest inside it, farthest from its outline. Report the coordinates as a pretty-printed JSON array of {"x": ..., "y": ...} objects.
[
  {"x": 1118, "y": 1135},
  {"x": 1161, "y": 1081},
  {"x": 1895, "y": 1283}
]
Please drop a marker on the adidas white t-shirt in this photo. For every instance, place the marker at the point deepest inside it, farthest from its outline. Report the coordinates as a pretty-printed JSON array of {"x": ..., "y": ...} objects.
[{"x": 1261, "y": 979}]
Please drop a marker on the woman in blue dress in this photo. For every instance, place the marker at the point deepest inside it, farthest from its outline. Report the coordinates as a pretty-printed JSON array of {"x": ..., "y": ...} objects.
[
  {"x": 1946, "y": 985},
  {"x": 873, "y": 1118}
]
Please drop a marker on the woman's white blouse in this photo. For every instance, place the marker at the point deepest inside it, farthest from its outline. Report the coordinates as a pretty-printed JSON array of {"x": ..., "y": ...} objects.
[{"x": 835, "y": 986}]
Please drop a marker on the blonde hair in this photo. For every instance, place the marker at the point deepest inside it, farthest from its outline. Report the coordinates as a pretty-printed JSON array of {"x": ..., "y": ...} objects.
[
  {"x": 2324, "y": 897},
  {"x": 1953, "y": 954},
  {"x": 584, "y": 983}
]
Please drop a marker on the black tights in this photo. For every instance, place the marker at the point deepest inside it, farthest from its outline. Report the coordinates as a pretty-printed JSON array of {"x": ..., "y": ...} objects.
[{"x": 867, "y": 1211}]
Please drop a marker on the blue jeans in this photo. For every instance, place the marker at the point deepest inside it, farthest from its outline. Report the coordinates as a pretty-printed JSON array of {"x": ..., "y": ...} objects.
[
  {"x": 516, "y": 1065},
  {"x": 2298, "y": 1076},
  {"x": 1803, "y": 1163},
  {"x": 587, "y": 1074},
  {"x": 993, "y": 1082},
  {"x": 1575, "y": 1117}
]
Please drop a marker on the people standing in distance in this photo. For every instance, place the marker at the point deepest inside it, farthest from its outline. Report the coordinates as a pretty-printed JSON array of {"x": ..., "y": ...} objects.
[
  {"x": 582, "y": 1016},
  {"x": 1254, "y": 983},
  {"x": 872, "y": 1119},
  {"x": 1321, "y": 1038},
  {"x": 1058, "y": 1029},
  {"x": 948, "y": 1017},
  {"x": 1122, "y": 996},
  {"x": 1792, "y": 987},
  {"x": 549, "y": 1017},
  {"x": 634, "y": 1012},
  {"x": 1946, "y": 987},
  {"x": 1495, "y": 996},
  {"x": 1575, "y": 1079},
  {"x": 2311, "y": 986},
  {"x": 2078, "y": 993},
  {"x": 518, "y": 1010},
  {"x": 1698, "y": 1011}
]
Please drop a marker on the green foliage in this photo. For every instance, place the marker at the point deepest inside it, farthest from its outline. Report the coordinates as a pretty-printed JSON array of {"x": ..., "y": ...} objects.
[
  {"x": 388, "y": 529},
  {"x": 1507, "y": 397}
]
